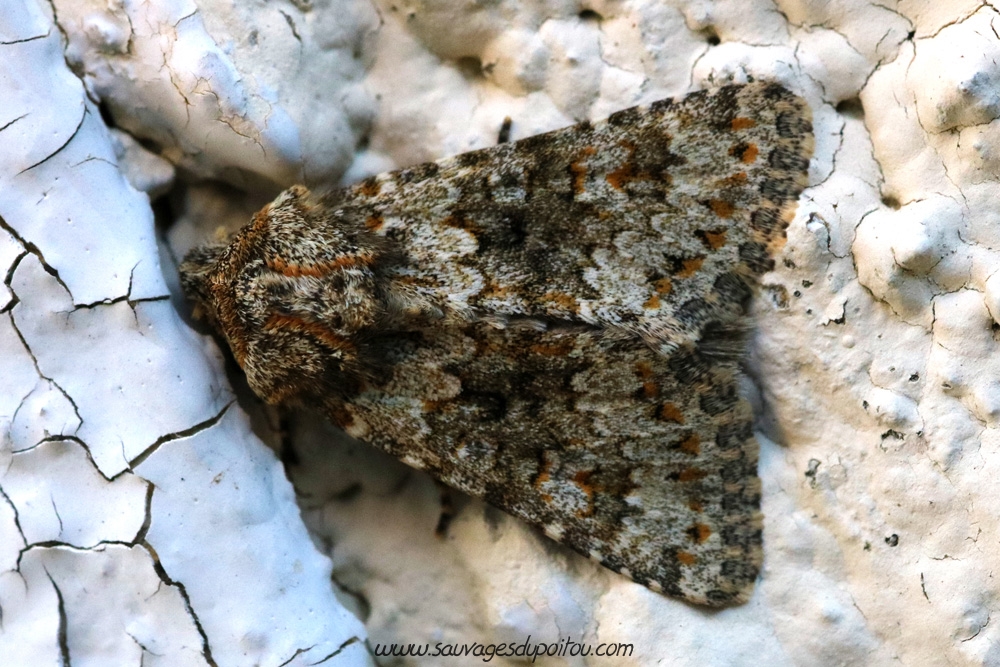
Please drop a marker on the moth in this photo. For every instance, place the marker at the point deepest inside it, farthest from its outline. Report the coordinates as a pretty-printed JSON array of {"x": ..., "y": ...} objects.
[{"x": 554, "y": 325}]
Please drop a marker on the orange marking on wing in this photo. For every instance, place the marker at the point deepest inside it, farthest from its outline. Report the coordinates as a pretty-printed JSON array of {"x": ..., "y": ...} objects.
[
  {"x": 742, "y": 123},
  {"x": 621, "y": 176},
  {"x": 684, "y": 558},
  {"x": 291, "y": 270},
  {"x": 461, "y": 221},
  {"x": 544, "y": 476},
  {"x": 670, "y": 412},
  {"x": 652, "y": 303},
  {"x": 564, "y": 301},
  {"x": 691, "y": 475},
  {"x": 260, "y": 219},
  {"x": 691, "y": 444},
  {"x": 722, "y": 208},
  {"x": 540, "y": 481},
  {"x": 663, "y": 286},
  {"x": 714, "y": 240},
  {"x": 699, "y": 532},
  {"x": 314, "y": 329},
  {"x": 695, "y": 505},
  {"x": 361, "y": 258},
  {"x": 582, "y": 480},
  {"x": 649, "y": 387},
  {"x": 374, "y": 222},
  {"x": 616, "y": 178},
  {"x": 750, "y": 154},
  {"x": 689, "y": 267},
  {"x": 370, "y": 187},
  {"x": 493, "y": 290},
  {"x": 579, "y": 171}
]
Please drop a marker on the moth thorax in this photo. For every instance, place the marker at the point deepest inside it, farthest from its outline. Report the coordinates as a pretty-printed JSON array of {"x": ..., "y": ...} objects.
[{"x": 342, "y": 301}]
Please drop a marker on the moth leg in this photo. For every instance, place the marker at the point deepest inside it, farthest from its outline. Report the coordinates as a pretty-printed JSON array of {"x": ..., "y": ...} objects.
[
  {"x": 504, "y": 135},
  {"x": 287, "y": 453},
  {"x": 447, "y": 510}
]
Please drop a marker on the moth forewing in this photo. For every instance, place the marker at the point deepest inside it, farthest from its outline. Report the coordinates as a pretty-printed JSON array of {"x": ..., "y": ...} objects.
[{"x": 553, "y": 324}]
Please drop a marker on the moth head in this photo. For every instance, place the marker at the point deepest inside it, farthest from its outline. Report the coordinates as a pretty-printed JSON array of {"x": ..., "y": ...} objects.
[
  {"x": 196, "y": 271},
  {"x": 296, "y": 294}
]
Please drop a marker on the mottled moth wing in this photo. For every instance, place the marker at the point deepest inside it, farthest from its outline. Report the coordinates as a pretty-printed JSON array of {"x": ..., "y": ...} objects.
[{"x": 554, "y": 324}]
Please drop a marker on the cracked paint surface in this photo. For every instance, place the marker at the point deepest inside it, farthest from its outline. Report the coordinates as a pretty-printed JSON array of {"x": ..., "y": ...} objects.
[
  {"x": 134, "y": 500},
  {"x": 213, "y": 80},
  {"x": 130, "y": 478}
]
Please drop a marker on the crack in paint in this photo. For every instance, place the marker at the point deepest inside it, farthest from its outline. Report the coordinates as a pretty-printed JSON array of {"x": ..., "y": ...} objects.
[
  {"x": 63, "y": 633},
  {"x": 177, "y": 435},
  {"x": 352, "y": 640},
  {"x": 17, "y": 518},
  {"x": 125, "y": 298},
  {"x": 34, "y": 250},
  {"x": 206, "y": 649},
  {"x": 38, "y": 370},
  {"x": 11, "y": 122},
  {"x": 297, "y": 653},
  {"x": 51, "y": 155},
  {"x": 147, "y": 521},
  {"x": 23, "y": 41}
]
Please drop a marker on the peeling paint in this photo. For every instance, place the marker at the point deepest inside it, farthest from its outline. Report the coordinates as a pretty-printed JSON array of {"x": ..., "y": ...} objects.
[{"x": 104, "y": 389}]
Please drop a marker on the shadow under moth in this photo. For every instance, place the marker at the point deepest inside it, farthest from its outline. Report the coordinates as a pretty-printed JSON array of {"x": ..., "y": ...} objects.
[{"x": 554, "y": 325}]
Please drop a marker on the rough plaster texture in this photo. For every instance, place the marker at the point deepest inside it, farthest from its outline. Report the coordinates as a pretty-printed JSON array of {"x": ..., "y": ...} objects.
[{"x": 142, "y": 520}]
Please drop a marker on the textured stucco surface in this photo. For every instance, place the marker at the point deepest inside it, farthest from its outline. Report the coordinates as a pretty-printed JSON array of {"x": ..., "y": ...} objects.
[{"x": 142, "y": 519}]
